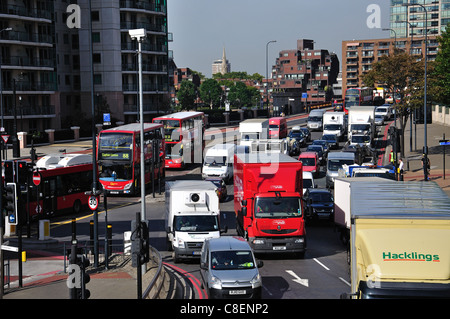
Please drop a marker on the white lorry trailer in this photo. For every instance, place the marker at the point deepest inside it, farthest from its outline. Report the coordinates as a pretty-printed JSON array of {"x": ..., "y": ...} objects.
[
  {"x": 192, "y": 215},
  {"x": 361, "y": 122},
  {"x": 398, "y": 237},
  {"x": 253, "y": 129}
]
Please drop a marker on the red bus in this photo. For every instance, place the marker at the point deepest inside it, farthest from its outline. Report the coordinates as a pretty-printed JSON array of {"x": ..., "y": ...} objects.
[
  {"x": 64, "y": 180},
  {"x": 184, "y": 133},
  {"x": 119, "y": 157},
  {"x": 357, "y": 96}
]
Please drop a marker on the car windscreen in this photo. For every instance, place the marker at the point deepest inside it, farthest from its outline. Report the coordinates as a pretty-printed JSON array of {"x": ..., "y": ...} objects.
[
  {"x": 271, "y": 207},
  {"x": 196, "y": 223},
  {"x": 232, "y": 259}
]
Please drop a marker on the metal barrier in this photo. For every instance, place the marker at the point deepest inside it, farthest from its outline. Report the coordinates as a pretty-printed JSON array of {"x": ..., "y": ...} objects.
[{"x": 157, "y": 259}]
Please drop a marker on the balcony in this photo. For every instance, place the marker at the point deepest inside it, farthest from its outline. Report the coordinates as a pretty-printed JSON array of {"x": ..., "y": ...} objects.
[
  {"x": 142, "y": 5},
  {"x": 23, "y": 11},
  {"x": 30, "y": 111}
]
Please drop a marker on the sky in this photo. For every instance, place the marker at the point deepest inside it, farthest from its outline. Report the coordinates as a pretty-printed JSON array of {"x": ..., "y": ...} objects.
[{"x": 202, "y": 28}]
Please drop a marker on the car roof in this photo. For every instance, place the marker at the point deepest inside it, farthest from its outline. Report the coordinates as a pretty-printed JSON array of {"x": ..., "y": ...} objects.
[
  {"x": 319, "y": 190},
  {"x": 228, "y": 243},
  {"x": 308, "y": 154}
]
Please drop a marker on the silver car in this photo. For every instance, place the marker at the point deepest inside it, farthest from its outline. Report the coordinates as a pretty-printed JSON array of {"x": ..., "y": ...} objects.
[{"x": 229, "y": 269}]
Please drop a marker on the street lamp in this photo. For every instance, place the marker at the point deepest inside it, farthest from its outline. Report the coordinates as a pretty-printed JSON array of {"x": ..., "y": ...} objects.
[
  {"x": 425, "y": 146},
  {"x": 139, "y": 35},
  {"x": 395, "y": 36},
  {"x": 267, "y": 75},
  {"x": 1, "y": 84}
]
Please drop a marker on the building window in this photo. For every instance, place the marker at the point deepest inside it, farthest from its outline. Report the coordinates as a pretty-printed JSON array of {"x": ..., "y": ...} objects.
[
  {"x": 97, "y": 58},
  {"x": 95, "y": 37},
  {"x": 97, "y": 79}
]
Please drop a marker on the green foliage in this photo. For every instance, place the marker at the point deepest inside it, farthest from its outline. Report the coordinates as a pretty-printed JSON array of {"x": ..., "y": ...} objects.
[
  {"x": 441, "y": 72},
  {"x": 211, "y": 92},
  {"x": 187, "y": 94}
]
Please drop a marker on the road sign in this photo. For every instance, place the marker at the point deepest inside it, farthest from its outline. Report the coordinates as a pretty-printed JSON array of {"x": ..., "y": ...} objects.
[
  {"x": 444, "y": 143},
  {"x": 304, "y": 95},
  {"x": 36, "y": 178},
  {"x": 5, "y": 138},
  {"x": 93, "y": 202}
]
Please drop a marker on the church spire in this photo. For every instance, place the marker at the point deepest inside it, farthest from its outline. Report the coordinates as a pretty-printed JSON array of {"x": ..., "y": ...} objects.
[{"x": 224, "y": 62}]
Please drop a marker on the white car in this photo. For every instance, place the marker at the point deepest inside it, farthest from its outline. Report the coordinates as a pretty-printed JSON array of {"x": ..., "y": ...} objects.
[{"x": 384, "y": 110}]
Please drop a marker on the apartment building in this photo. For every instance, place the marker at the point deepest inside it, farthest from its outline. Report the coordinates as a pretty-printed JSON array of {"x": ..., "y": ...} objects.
[
  {"x": 46, "y": 66},
  {"x": 408, "y": 25},
  {"x": 304, "y": 70}
]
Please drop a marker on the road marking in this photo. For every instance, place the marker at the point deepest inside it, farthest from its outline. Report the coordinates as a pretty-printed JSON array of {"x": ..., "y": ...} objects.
[
  {"x": 345, "y": 281},
  {"x": 321, "y": 264},
  {"x": 297, "y": 279}
]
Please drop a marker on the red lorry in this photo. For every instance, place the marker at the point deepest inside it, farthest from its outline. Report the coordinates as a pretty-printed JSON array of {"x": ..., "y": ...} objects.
[{"x": 267, "y": 202}]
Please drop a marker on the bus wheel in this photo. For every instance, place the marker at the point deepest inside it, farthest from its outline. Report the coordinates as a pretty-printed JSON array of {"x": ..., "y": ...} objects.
[{"x": 77, "y": 206}]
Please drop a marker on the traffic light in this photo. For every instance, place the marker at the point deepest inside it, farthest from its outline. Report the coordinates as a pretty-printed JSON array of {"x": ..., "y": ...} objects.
[
  {"x": 11, "y": 203},
  {"x": 9, "y": 171},
  {"x": 22, "y": 172},
  {"x": 140, "y": 244}
]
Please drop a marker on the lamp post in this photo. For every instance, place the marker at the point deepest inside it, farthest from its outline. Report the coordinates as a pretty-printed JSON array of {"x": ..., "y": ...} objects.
[
  {"x": 411, "y": 26},
  {"x": 267, "y": 74},
  {"x": 425, "y": 145},
  {"x": 139, "y": 35},
  {"x": 1, "y": 84}
]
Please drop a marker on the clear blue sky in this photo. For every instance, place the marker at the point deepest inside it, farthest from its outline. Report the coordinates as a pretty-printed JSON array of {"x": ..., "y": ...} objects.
[{"x": 201, "y": 28}]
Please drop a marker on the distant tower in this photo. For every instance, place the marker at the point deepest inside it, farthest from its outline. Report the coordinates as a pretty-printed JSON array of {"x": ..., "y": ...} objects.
[{"x": 221, "y": 65}]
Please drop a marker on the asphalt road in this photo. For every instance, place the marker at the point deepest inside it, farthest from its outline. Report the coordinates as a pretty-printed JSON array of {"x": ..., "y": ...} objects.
[{"x": 322, "y": 274}]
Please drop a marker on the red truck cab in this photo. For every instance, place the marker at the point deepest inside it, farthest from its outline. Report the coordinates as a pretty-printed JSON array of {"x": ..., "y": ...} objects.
[
  {"x": 278, "y": 127},
  {"x": 267, "y": 202}
]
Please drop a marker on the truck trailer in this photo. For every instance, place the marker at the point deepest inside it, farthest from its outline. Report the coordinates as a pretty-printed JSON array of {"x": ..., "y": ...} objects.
[
  {"x": 399, "y": 237},
  {"x": 267, "y": 202}
]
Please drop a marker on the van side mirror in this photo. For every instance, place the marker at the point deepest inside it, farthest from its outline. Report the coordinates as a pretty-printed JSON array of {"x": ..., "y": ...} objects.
[
  {"x": 203, "y": 265},
  {"x": 244, "y": 202},
  {"x": 225, "y": 229},
  {"x": 244, "y": 211},
  {"x": 260, "y": 263}
]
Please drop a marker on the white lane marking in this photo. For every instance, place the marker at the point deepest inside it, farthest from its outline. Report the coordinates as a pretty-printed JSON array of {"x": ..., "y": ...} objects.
[
  {"x": 297, "y": 279},
  {"x": 321, "y": 264}
]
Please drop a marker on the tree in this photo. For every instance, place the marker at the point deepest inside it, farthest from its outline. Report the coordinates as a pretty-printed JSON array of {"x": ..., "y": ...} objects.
[
  {"x": 441, "y": 73},
  {"x": 211, "y": 92},
  {"x": 187, "y": 94},
  {"x": 401, "y": 74},
  {"x": 239, "y": 95}
]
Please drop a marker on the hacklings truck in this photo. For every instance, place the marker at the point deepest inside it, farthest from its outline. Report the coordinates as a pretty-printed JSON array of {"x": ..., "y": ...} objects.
[
  {"x": 267, "y": 202},
  {"x": 399, "y": 236}
]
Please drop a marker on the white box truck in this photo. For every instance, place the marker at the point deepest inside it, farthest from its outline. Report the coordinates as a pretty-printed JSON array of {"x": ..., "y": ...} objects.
[
  {"x": 253, "y": 129},
  {"x": 361, "y": 121},
  {"x": 192, "y": 215},
  {"x": 219, "y": 161},
  {"x": 333, "y": 123}
]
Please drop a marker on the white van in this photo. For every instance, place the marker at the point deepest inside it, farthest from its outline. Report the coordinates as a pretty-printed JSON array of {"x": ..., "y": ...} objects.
[
  {"x": 308, "y": 181},
  {"x": 315, "y": 120},
  {"x": 218, "y": 162}
]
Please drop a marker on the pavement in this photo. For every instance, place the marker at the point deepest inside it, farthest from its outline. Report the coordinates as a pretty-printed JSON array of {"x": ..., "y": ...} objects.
[{"x": 43, "y": 272}]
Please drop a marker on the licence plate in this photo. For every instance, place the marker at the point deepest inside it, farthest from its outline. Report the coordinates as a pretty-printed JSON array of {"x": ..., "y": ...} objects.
[
  {"x": 237, "y": 292},
  {"x": 279, "y": 248},
  {"x": 196, "y": 252}
]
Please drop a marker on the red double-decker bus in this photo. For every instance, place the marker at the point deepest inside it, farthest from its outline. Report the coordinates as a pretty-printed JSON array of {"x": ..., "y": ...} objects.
[
  {"x": 64, "y": 179},
  {"x": 119, "y": 159},
  {"x": 357, "y": 96},
  {"x": 184, "y": 133}
]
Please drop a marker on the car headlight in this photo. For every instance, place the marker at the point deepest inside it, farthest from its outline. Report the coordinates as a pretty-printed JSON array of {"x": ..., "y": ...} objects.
[
  {"x": 215, "y": 283},
  {"x": 256, "y": 281}
]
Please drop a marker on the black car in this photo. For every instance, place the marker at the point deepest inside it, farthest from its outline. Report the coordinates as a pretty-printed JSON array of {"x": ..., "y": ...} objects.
[
  {"x": 319, "y": 150},
  {"x": 318, "y": 204},
  {"x": 324, "y": 143},
  {"x": 307, "y": 134},
  {"x": 332, "y": 140}
]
